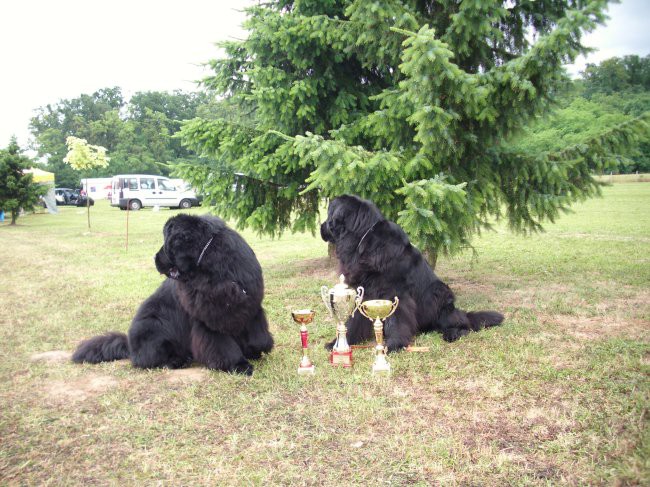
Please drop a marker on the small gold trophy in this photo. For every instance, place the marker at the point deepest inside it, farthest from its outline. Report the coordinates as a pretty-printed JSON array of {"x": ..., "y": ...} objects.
[
  {"x": 341, "y": 301},
  {"x": 378, "y": 310},
  {"x": 304, "y": 317}
]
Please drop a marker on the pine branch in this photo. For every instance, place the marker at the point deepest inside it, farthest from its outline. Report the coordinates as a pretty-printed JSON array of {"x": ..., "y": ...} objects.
[{"x": 609, "y": 141}]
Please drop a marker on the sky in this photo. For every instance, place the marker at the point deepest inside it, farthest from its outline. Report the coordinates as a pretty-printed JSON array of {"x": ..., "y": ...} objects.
[{"x": 52, "y": 50}]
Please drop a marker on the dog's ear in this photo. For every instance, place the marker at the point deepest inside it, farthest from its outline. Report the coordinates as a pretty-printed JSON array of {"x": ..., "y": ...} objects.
[
  {"x": 362, "y": 213},
  {"x": 163, "y": 264}
]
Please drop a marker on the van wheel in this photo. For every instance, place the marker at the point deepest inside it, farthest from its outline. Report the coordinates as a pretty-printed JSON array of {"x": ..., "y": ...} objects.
[
  {"x": 185, "y": 204},
  {"x": 135, "y": 205}
]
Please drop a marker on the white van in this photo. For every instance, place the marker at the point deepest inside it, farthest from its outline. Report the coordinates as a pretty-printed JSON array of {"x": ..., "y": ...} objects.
[{"x": 134, "y": 191}]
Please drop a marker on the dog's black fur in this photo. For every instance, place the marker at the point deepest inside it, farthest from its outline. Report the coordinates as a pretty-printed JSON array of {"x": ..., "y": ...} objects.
[
  {"x": 375, "y": 253},
  {"x": 208, "y": 310}
]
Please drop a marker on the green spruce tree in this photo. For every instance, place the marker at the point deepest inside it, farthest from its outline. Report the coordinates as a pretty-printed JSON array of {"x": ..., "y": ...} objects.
[
  {"x": 409, "y": 103},
  {"x": 17, "y": 188}
]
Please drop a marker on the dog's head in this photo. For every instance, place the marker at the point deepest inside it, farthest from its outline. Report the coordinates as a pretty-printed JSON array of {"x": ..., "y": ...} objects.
[
  {"x": 185, "y": 239},
  {"x": 346, "y": 215}
]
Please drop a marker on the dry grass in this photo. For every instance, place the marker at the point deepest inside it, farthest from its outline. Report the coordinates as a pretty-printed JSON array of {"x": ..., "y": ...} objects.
[
  {"x": 557, "y": 395},
  {"x": 624, "y": 178}
]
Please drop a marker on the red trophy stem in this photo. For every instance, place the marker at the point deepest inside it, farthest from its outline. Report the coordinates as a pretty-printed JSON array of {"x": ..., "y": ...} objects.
[{"x": 303, "y": 336}]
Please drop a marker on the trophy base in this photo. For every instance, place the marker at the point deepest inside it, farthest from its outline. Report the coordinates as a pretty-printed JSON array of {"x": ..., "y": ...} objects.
[
  {"x": 381, "y": 369},
  {"x": 308, "y": 370},
  {"x": 341, "y": 359}
]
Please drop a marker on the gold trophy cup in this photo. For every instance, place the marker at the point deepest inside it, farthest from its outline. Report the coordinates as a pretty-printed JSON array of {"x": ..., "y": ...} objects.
[
  {"x": 303, "y": 317},
  {"x": 341, "y": 301},
  {"x": 378, "y": 310}
]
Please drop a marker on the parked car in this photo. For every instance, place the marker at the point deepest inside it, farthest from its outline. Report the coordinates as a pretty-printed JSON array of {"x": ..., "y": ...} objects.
[
  {"x": 137, "y": 190},
  {"x": 71, "y": 197}
]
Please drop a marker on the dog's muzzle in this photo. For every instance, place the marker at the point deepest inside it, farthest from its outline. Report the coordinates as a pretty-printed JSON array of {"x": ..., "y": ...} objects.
[{"x": 325, "y": 232}]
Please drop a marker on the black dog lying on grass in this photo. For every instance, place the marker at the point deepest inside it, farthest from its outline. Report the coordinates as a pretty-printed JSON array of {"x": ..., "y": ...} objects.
[
  {"x": 208, "y": 310},
  {"x": 376, "y": 253}
]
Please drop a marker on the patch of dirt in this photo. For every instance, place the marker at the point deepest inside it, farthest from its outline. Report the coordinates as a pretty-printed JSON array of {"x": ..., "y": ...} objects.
[
  {"x": 462, "y": 286},
  {"x": 486, "y": 419},
  {"x": 79, "y": 389},
  {"x": 193, "y": 374},
  {"x": 322, "y": 268},
  {"x": 599, "y": 327},
  {"x": 530, "y": 297},
  {"x": 54, "y": 356},
  {"x": 565, "y": 354},
  {"x": 622, "y": 316},
  {"x": 637, "y": 304}
]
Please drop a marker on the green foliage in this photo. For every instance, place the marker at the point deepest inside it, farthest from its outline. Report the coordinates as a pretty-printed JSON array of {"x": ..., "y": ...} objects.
[
  {"x": 415, "y": 105},
  {"x": 82, "y": 156},
  {"x": 585, "y": 119},
  {"x": 17, "y": 189},
  {"x": 436, "y": 209},
  {"x": 609, "y": 94},
  {"x": 138, "y": 133},
  {"x": 623, "y": 85},
  {"x": 614, "y": 75},
  {"x": 85, "y": 157}
]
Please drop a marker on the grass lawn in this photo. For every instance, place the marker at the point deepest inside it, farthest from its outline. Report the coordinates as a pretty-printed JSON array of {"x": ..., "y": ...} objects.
[{"x": 557, "y": 395}]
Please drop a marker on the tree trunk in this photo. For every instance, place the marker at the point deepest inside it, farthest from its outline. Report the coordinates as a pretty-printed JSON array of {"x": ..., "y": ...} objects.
[
  {"x": 431, "y": 256},
  {"x": 331, "y": 250},
  {"x": 88, "y": 204},
  {"x": 14, "y": 216}
]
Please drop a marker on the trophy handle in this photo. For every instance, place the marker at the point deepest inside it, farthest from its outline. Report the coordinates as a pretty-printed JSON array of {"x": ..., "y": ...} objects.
[
  {"x": 324, "y": 294},
  {"x": 358, "y": 300},
  {"x": 395, "y": 303},
  {"x": 362, "y": 312}
]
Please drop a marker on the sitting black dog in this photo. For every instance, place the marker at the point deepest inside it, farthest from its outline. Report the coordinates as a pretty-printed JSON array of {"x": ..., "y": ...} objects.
[
  {"x": 208, "y": 310},
  {"x": 375, "y": 253}
]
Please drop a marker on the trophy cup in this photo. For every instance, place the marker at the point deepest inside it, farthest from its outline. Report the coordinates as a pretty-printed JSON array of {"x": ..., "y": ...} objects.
[
  {"x": 341, "y": 301},
  {"x": 304, "y": 317},
  {"x": 378, "y": 310}
]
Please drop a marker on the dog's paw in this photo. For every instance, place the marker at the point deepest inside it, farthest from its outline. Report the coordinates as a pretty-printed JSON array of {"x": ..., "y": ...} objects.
[
  {"x": 395, "y": 347},
  {"x": 242, "y": 367},
  {"x": 180, "y": 362},
  {"x": 253, "y": 354},
  {"x": 453, "y": 334}
]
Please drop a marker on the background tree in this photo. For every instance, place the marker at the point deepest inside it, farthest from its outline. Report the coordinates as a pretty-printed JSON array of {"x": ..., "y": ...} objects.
[
  {"x": 609, "y": 94},
  {"x": 615, "y": 75},
  {"x": 17, "y": 189},
  {"x": 92, "y": 117},
  {"x": 622, "y": 86},
  {"x": 413, "y": 104},
  {"x": 138, "y": 133},
  {"x": 85, "y": 157}
]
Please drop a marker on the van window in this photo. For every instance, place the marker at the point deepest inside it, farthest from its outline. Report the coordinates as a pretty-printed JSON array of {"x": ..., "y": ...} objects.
[
  {"x": 166, "y": 185},
  {"x": 132, "y": 183},
  {"x": 147, "y": 183}
]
